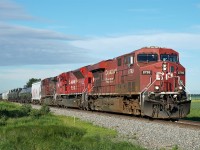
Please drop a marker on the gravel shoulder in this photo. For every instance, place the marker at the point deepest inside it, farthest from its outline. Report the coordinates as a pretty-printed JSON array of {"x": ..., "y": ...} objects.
[{"x": 149, "y": 134}]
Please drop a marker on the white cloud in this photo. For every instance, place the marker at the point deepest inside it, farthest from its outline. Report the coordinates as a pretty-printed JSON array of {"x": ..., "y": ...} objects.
[
  {"x": 22, "y": 45},
  {"x": 25, "y": 45},
  {"x": 198, "y": 5},
  {"x": 23, "y": 32},
  {"x": 35, "y": 71},
  {"x": 17, "y": 76},
  {"x": 11, "y": 10},
  {"x": 27, "y": 73},
  {"x": 123, "y": 44},
  {"x": 14, "y": 77}
]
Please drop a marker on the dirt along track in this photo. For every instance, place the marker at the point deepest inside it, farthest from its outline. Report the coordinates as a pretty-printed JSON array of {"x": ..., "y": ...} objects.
[{"x": 180, "y": 122}]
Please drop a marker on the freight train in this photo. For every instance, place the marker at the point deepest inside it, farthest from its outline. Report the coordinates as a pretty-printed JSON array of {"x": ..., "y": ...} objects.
[{"x": 146, "y": 82}]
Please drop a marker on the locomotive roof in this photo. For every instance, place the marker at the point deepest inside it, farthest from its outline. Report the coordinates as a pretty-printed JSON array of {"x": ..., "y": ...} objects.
[
  {"x": 151, "y": 49},
  {"x": 99, "y": 66},
  {"x": 25, "y": 90},
  {"x": 155, "y": 50},
  {"x": 84, "y": 67},
  {"x": 49, "y": 79}
]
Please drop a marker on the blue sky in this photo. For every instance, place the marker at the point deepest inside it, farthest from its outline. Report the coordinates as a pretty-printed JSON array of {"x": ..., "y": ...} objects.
[{"x": 42, "y": 38}]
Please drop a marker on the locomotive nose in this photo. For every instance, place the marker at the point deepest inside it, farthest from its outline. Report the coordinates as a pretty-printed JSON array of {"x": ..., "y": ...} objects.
[{"x": 171, "y": 77}]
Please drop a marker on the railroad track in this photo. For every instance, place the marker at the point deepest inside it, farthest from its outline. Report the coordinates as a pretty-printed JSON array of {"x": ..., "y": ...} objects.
[
  {"x": 189, "y": 122},
  {"x": 181, "y": 122}
]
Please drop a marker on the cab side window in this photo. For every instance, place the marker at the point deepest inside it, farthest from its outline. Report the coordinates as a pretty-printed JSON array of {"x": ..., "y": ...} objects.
[{"x": 129, "y": 60}]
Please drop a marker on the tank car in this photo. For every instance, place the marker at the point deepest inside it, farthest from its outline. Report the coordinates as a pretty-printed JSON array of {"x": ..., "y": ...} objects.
[
  {"x": 5, "y": 95},
  {"x": 13, "y": 95},
  {"x": 147, "y": 82},
  {"x": 25, "y": 95}
]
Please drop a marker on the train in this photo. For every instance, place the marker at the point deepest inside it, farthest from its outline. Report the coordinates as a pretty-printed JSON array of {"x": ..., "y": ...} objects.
[{"x": 147, "y": 82}]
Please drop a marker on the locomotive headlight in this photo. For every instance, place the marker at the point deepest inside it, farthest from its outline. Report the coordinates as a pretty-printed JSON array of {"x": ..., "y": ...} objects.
[
  {"x": 156, "y": 88},
  {"x": 164, "y": 66},
  {"x": 180, "y": 88}
]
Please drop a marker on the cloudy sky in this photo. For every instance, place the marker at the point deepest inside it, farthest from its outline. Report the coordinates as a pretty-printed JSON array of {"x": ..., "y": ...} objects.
[{"x": 43, "y": 38}]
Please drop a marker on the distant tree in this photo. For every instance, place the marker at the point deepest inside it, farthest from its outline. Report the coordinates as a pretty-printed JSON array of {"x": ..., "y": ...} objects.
[{"x": 31, "y": 81}]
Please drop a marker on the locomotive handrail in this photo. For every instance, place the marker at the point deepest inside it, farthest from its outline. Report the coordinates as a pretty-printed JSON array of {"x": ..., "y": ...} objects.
[
  {"x": 145, "y": 89},
  {"x": 84, "y": 90},
  {"x": 147, "y": 85},
  {"x": 92, "y": 87},
  {"x": 185, "y": 89}
]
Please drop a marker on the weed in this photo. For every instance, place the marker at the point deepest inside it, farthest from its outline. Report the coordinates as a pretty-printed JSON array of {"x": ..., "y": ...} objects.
[
  {"x": 35, "y": 114},
  {"x": 44, "y": 110},
  {"x": 175, "y": 147},
  {"x": 26, "y": 109},
  {"x": 3, "y": 120}
]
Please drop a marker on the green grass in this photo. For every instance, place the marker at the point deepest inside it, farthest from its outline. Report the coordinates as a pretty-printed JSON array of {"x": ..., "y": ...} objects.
[
  {"x": 194, "y": 111},
  {"x": 49, "y": 132},
  {"x": 8, "y": 105}
]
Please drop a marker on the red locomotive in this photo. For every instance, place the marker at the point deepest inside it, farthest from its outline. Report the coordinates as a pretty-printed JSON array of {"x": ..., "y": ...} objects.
[
  {"x": 73, "y": 87},
  {"x": 48, "y": 90},
  {"x": 147, "y": 82}
]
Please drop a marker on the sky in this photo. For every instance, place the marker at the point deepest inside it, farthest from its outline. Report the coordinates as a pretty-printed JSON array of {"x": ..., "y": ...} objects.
[{"x": 43, "y": 38}]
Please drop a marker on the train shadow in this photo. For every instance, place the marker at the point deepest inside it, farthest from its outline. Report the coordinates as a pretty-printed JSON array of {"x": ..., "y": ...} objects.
[{"x": 192, "y": 118}]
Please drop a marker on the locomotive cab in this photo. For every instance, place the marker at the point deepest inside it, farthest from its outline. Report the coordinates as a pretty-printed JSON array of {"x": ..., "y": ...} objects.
[{"x": 163, "y": 91}]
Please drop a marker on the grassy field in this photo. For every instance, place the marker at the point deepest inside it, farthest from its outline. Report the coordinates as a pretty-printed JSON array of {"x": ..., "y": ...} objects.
[
  {"x": 194, "y": 111},
  {"x": 22, "y": 128}
]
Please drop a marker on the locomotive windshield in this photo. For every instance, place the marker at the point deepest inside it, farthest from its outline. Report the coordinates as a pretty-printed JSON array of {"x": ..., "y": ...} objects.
[
  {"x": 147, "y": 57},
  {"x": 169, "y": 57}
]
